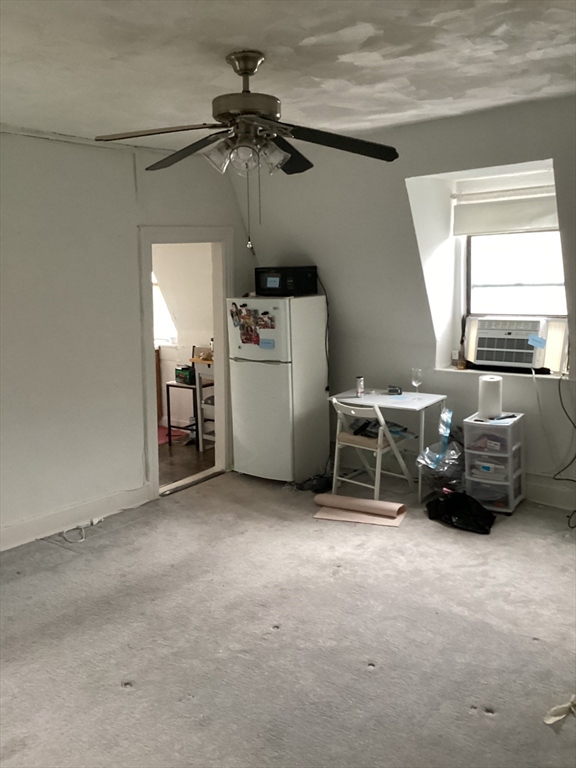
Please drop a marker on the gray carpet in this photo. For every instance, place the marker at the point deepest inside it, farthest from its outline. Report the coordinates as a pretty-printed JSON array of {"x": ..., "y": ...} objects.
[{"x": 224, "y": 627}]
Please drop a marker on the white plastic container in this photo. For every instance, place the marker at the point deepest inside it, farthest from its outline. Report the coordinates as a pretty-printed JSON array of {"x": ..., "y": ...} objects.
[{"x": 495, "y": 461}]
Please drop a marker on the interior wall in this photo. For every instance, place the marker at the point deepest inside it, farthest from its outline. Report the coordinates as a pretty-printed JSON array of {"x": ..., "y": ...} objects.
[
  {"x": 432, "y": 216},
  {"x": 72, "y": 397},
  {"x": 351, "y": 216},
  {"x": 184, "y": 274}
]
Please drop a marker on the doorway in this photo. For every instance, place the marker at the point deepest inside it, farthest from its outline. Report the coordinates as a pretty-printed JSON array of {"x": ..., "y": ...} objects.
[
  {"x": 183, "y": 334},
  {"x": 185, "y": 278}
]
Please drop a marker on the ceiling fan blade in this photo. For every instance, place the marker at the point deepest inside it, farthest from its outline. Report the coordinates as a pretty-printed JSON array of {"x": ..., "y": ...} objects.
[
  {"x": 175, "y": 157},
  {"x": 334, "y": 140},
  {"x": 296, "y": 163},
  {"x": 156, "y": 131}
]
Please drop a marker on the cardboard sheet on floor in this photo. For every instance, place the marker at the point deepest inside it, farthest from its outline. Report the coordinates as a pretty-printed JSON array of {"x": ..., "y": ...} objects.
[
  {"x": 354, "y": 510},
  {"x": 369, "y": 506},
  {"x": 348, "y": 516}
]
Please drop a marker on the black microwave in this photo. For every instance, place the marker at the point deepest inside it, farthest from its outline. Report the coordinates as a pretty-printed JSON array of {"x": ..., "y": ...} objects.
[{"x": 286, "y": 281}]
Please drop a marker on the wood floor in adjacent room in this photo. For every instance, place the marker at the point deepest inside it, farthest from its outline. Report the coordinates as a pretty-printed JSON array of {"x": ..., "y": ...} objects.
[
  {"x": 180, "y": 460},
  {"x": 225, "y": 627}
]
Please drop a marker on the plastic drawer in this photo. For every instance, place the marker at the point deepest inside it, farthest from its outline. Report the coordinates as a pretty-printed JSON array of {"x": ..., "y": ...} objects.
[
  {"x": 495, "y": 437},
  {"x": 494, "y": 496},
  {"x": 490, "y": 467}
]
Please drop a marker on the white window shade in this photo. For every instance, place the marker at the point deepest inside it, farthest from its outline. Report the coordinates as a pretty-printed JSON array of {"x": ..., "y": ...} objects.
[
  {"x": 498, "y": 205},
  {"x": 503, "y": 216}
]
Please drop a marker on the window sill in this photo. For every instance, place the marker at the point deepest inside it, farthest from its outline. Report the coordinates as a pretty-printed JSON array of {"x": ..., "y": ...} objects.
[{"x": 471, "y": 371}]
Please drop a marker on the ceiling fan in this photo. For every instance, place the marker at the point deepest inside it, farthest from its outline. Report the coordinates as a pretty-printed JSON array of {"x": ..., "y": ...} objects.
[{"x": 252, "y": 134}]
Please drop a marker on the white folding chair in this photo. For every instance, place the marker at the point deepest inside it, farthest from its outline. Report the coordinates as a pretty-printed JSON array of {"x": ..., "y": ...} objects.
[
  {"x": 378, "y": 446},
  {"x": 204, "y": 373}
]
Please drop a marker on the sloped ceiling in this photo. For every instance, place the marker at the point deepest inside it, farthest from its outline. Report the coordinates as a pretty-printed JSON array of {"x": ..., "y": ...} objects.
[{"x": 85, "y": 67}]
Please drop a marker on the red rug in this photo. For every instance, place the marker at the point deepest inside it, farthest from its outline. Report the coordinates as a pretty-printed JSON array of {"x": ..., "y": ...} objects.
[{"x": 163, "y": 434}]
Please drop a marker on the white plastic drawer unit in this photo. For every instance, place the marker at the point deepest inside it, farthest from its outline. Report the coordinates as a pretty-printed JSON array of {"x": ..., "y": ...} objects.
[{"x": 495, "y": 461}]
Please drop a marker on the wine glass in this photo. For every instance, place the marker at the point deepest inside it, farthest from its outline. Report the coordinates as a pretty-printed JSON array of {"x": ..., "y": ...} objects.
[{"x": 416, "y": 379}]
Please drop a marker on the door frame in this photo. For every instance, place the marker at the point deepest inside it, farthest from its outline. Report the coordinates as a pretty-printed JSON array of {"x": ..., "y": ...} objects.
[{"x": 221, "y": 239}]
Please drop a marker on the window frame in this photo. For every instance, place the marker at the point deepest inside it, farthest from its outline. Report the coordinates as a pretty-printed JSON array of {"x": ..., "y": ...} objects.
[{"x": 468, "y": 280}]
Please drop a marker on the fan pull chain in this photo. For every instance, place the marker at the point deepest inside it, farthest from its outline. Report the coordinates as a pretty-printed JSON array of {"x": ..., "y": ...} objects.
[
  {"x": 259, "y": 196},
  {"x": 249, "y": 243}
]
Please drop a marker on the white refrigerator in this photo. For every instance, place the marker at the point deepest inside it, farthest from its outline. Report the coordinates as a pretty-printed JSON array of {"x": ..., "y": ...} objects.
[{"x": 278, "y": 384}]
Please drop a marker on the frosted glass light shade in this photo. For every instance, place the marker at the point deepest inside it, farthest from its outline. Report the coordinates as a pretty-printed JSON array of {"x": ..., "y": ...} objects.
[
  {"x": 218, "y": 155},
  {"x": 273, "y": 157},
  {"x": 244, "y": 158}
]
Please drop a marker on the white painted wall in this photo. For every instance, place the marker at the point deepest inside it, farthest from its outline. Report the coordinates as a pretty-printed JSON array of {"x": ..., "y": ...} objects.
[
  {"x": 72, "y": 399},
  {"x": 432, "y": 216},
  {"x": 351, "y": 216},
  {"x": 184, "y": 274}
]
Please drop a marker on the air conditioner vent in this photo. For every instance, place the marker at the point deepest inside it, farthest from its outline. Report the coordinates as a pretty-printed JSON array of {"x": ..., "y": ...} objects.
[
  {"x": 532, "y": 326},
  {"x": 504, "y": 350}
]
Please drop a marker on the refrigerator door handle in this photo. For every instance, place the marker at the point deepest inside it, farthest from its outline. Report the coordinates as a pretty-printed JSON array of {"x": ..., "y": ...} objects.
[{"x": 259, "y": 362}]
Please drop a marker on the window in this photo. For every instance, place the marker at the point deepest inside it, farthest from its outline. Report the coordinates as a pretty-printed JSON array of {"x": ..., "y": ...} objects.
[
  {"x": 491, "y": 252},
  {"x": 515, "y": 274},
  {"x": 165, "y": 332}
]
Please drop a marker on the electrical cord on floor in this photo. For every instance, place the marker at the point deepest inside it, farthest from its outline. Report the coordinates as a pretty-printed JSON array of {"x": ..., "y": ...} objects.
[
  {"x": 569, "y": 479},
  {"x": 75, "y": 541},
  {"x": 316, "y": 484}
]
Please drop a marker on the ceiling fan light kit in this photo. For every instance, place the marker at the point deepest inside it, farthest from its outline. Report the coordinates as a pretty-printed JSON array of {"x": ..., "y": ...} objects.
[{"x": 251, "y": 135}]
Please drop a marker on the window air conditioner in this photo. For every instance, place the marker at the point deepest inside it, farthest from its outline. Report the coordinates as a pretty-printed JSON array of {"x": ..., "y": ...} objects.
[{"x": 506, "y": 341}]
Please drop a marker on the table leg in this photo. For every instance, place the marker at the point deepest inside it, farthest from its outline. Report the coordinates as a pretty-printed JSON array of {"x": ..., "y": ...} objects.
[
  {"x": 168, "y": 415},
  {"x": 200, "y": 422},
  {"x": 422, "y": 424}
]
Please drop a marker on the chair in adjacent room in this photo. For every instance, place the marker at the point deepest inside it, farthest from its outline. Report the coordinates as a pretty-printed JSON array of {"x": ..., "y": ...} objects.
[
  {"x": 379, "y": 446},
  {"x": 204, "y": 376}
]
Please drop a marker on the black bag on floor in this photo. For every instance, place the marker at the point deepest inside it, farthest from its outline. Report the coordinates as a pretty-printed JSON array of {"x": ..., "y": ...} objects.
[{"x": 461, "y": 511}]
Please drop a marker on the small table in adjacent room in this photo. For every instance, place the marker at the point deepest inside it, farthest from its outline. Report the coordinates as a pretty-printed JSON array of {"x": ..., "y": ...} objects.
[
  {"x": 409, "y": 401},
  {"x": 180, "y": 385}
]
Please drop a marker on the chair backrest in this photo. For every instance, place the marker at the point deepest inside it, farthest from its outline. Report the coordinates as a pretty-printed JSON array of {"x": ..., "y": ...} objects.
[
  {"x": 346, "y": 412},
  {"x": 204, "y": 370},
  {"x": 357, "y": 411}
]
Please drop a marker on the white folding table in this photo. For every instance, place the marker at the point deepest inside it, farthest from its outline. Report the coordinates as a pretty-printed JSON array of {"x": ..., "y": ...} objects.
[{"x": 408, "y": 401}]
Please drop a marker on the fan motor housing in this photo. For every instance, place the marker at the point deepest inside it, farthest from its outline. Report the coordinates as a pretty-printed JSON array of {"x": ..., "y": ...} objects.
[{"x": 228, "y": 106}]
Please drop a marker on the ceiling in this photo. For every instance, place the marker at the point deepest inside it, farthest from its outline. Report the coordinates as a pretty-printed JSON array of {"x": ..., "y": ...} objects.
[{"x": 86, "y": 67}]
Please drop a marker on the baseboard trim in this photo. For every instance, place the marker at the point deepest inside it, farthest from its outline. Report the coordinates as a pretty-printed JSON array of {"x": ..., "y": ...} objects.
[
  {"x": 553, "y": 493},
  {"x": 39, "y": 527}
]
